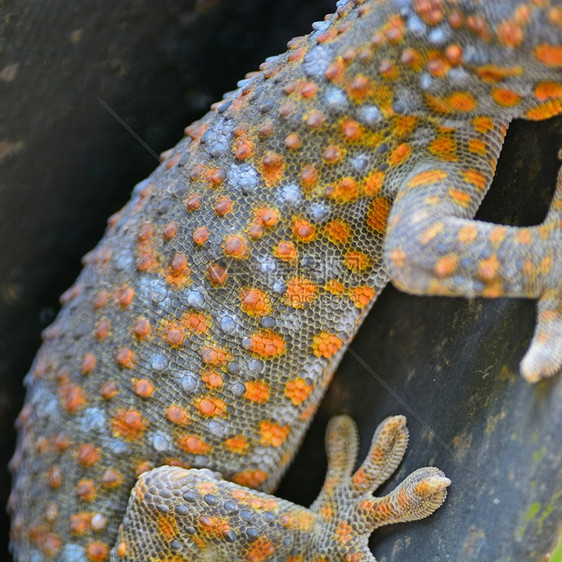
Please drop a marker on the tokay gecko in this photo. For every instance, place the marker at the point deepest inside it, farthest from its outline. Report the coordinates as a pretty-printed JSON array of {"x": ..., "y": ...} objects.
[{"x": 188, "y": 359}]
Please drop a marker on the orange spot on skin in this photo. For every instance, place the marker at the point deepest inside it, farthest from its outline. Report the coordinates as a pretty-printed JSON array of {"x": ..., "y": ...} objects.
[
  {"x": 359, "y": 88},
  {"x": 399, "y": 155},
  {"x": 427, "y": 178},
  {"x": 334, "y": 287},
  {"x": 129, "y": 424},
  {"x": 192, "y": 444},
  {"x": 143, "y": 388},
  {"x": 300, "y": 292},
  {"x": 293, "y": 141},
  {"x": 141, "y": 327},
  {"x": 286, "y": 109},
  {"x": 212, "y": 379},
  {"x": 361, "y": 296},
  {"x": 430, "y": 233},
  {"x": 109, "y": 390},
  {"x": 548, "y": 90},
  {"x": 86, "y": 490},
  {"x": 477, "y": 146},
  {"x": 250, "y": 478},
  {"x": 446, "y": 265},
  {"x": 497, "y": 235},
  {"x": 72, "y": 396},
  {"x": 550, "y": 55},
  {"x": 54, "y": 477},
  {"x": 173, "y": 334},
  {"x": 285, "y": 251},
  {"x": 272, "y": 168},
  {"x": 524, "y": 236},
  {"x": 373, "y": 183},
  {"x": 88, "y": 363},
  {"x": 462, "y": 102},
  {"x": 88, "y": 455},
  {"x": 201, "y": 235},
  {"x": 177, "y": 415},
  {"x": 444, "y": 147},
  {"x": 467, "y": 234},
  {"x": 338, "y": 231},
  {"x": 488, "y": 268},
  {"x": 344, "y": 191},
  {"x": 167, "y": 527},
  {"x": 266, "y": 343},
  {"x": 335, "y": 71},
  {"x": 309, "y": 177},
  {"x": 97, "y": 552},
  {"x": 255, "y": 302},
  {"x": 100, "y": 299},
  {"x": 193, "y": 202},
  {"x": 297, "y": 391},
  {"x": 482, "y": 124},
  {"x": 217, "y": 274},
  {"x": 544, "y": 111},
  {"x": 223, "y": 206},
  {"x": 266, "y": 217},
  {"x": 314, "y": 120},
  {"x": 475, "y": 178},
  {"x": 211, "y": 407},
  {"x": 510, "y": 34},
  {"x": 273, "y": 434},
  {"x": 125, "y": 358},
  {"x": 493, "y": 74},
  {"x": 333, "y": 154},
  {"x": 325, "y": 345},
  {"x": 257, "y": 391},
  {"x": 214, "y": 356},
  {"x": 236, "y": 246},
  {"x": 102, "y": 329},
  {"x": 125, "y": 295},
  {"x": 303, "y": 230},
  {"x": 351, "y": 130},
  {"x": 237, "y": 444},
  {"x": 80, "y": 523},
  {"x": 177, "y": 274},
  {"x": 309, "y": 90},
  {"x": 356, "y": 261},
  {"x": 344, "y": 533},
  {"x": 377, "y": 215},
  {"x": 505, "y": 98},
  {"x": 459, "y": 197},
  {"x": 260, "y": 550},
  {"x": 243, "y": 148}
]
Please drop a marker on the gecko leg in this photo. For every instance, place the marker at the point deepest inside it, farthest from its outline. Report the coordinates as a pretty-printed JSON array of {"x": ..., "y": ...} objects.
[
  {"x": 433, "y": 247},
  {"x": 195, "y": 515}
]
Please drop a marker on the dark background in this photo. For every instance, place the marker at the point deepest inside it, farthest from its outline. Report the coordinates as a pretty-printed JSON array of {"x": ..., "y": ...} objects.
[{"x": 66, "y": 164}]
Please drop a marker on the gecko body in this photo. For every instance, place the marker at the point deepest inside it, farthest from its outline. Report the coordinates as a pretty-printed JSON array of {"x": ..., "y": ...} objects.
[{"x": 207, "y": 323}]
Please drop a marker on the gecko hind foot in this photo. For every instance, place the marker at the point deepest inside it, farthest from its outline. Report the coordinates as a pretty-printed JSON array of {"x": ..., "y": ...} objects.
[
  {"x": 195, "y": 515},
  {"x": 348, "y": 498}
]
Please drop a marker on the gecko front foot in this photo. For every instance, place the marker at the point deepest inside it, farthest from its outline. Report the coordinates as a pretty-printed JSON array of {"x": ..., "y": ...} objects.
[{"x": 195, "y": 515}]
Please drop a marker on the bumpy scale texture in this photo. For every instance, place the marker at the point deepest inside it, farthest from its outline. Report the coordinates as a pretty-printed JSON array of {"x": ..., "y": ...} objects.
[{"x": 209, "y": 320}]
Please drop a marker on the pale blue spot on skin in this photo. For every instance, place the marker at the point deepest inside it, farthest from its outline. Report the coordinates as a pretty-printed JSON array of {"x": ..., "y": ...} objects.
[
  {"x": 228, "y": 325},
  {"x": 319, "y": 212},
  {"x": 158, "y": 362},
  {"x": 370, "y": 115},
  {"x": 93, "y": 420},
  {"x": 336, "y": 99},
  {"x": 162, "y": 442},
  {"x": 317, "y": 61},
  {"x": 189, "y": 382},
  {"x": 290, "y": 195},
  {"x": 196, "y": 299}
]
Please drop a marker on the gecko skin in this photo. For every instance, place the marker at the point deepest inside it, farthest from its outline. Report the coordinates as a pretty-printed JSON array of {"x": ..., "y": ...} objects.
[{"x": 207, "y": 323}]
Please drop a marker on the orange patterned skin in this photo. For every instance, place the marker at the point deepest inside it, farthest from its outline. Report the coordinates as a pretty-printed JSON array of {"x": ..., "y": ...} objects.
[{"x": 209, "y": 320}]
